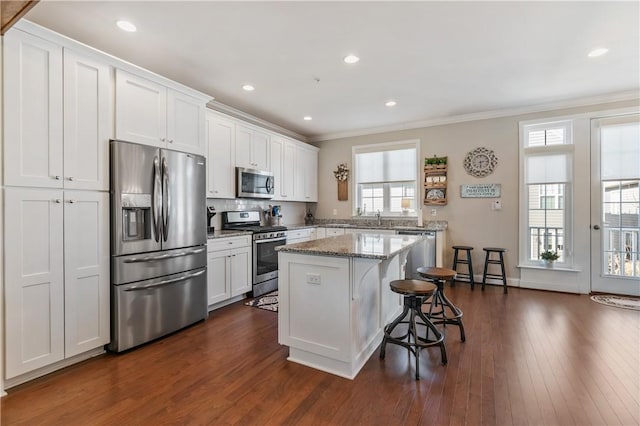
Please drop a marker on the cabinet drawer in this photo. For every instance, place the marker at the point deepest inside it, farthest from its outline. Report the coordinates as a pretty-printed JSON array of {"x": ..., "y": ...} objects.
[
  {"x": 228, "y": 243},
  {"x": 307, "y": 233}
]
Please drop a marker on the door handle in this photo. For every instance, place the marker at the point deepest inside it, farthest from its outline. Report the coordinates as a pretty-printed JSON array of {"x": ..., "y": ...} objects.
[
  {"x": 166, "y": 198},
  {"x": 596, "y": 227}
]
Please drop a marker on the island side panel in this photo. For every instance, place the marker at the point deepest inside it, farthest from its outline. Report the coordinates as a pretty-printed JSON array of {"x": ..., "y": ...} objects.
[
  {"x": 313, "y": 312},
  {"x": 365, "y": 310}
]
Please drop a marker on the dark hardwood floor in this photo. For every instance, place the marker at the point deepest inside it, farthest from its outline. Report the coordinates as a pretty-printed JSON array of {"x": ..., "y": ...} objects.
[{"x": 531, "y": 357}]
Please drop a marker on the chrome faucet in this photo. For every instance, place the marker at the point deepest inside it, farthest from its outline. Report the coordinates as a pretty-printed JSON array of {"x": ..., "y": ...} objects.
[{"x": 379, "y": 218}]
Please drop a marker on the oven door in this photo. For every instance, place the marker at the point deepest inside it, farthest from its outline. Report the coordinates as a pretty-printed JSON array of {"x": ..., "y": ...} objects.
[{"x": 265, "y": 259}]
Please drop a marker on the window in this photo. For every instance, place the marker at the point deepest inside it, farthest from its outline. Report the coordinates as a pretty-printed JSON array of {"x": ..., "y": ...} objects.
[
  {"x": 547, "y": 156},
  {"x": 386, "y": 178}
]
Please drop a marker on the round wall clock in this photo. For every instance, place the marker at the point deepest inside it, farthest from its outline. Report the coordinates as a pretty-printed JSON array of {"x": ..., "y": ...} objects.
[{"x": 480, "y": 162}]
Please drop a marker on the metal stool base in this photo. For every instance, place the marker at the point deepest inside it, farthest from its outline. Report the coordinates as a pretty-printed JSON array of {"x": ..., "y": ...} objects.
[
  {"x": 454, "y": 317},
  {"x": 413, "y": 308}
]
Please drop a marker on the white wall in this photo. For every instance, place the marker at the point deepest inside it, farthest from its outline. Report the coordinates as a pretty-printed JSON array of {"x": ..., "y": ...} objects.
[{"x": 471, "y": 220}]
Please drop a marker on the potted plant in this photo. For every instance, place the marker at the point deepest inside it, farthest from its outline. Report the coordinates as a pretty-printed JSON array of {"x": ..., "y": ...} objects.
[{"x": 549, "y": 257}]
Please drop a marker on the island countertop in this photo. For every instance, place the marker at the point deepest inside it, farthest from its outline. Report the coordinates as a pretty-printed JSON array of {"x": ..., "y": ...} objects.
[{"x": 367, "y": 245}]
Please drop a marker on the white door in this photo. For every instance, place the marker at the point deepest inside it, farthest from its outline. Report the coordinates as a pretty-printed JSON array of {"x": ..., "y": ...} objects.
[
  {"x": 88, "y": 122},
  {"x": 141, "y": 110},
  {"x": 241, "y": 278},
  {"x": 86, "y": 270},
  {"x": 218, "y": 279},
  {"x": 185, "y": 123},
  {"x": 615, "y": 209},
  {"x": 34, "y": 286},
  {"x": 260, "y": 150},
  {"x": 244, "y": 140},
  {"x": 220, "y": 157},
  {"x": 32, "y": 111}
]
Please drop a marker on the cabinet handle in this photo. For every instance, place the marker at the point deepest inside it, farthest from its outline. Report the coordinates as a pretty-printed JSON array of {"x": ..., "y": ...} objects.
[
  {"x": 170, "y": 140},
  {"x": 56, "y": 177},
  {"x": 72, "y": 201},
  {"x": 70, "y": 178},
  {"x": 57, "y": 201},
  {"x": 162, "y": 139},
  {"x": 215, "y": 191}
]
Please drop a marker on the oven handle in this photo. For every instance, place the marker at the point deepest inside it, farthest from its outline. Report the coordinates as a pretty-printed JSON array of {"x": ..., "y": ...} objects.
[{"x": 270, "y": 240}]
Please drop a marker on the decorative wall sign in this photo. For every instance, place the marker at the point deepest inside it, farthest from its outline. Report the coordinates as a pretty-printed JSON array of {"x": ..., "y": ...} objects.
[
  {"x": 480, "y": 162},
  {"x": 480, "y": 190},
  {"x": 342, "y": 175}
]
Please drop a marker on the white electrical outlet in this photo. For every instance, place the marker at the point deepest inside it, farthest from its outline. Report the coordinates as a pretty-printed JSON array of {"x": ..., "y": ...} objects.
[
  {"x": 496, "y": 205},
  {"x": 313, "y": 278},
  {"x": 335, "y": 212},
  {"x": 434, "y": 212}
]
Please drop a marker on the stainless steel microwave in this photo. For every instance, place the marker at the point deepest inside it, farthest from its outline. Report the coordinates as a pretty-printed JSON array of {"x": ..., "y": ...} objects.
[{"x": 251, "y": 183}]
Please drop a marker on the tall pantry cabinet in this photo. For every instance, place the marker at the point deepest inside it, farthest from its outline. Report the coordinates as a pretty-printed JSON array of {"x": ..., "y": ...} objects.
[{"x": 57, "y": 123}]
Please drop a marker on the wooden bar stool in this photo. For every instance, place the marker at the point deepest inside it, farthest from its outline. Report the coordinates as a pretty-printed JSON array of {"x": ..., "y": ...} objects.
[
  {"x": 415, "y": 292},
  {"x": 439, "y": 276},
  {"x": 500, "y": 261},
  {"x": 465, "y": 277}
]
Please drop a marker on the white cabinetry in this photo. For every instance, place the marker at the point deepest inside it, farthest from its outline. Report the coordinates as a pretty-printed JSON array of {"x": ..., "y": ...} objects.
[
  {"x": 283, "y": 157},
  {"x": 321, "y": 233},
  {"x": 300, "y": 235},
  {"x": 306, "y": 175},
  {"x": 369, "y": 231},
  {"x": 252, "y": 148},
  {"x": 332, "y": 232},
  {"x": 220, "y": 137},
  {"x": 55, "y": 308},
  {"x": 150, "y": 113},
  {"x": 228, "y": 268}
]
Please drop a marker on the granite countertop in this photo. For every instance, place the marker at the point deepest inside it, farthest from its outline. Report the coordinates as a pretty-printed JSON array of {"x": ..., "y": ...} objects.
[
  {"x": 432, "y": 225},
  {"x": 362, "y": 244},
  {"x": 226, "y": 234}
]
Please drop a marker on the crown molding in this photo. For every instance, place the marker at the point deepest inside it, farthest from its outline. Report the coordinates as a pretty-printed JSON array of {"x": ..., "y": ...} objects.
[
  {"x": 485, "y": 115},
  {"x": 241, "y": 115}
]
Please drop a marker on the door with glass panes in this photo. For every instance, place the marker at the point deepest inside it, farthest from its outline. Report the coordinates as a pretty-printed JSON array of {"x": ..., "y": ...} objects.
[{"x": 615, "y": 205}]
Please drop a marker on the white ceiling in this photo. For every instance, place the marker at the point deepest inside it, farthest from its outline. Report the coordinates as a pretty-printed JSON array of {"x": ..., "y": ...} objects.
[{"x": 436, "y": 60}]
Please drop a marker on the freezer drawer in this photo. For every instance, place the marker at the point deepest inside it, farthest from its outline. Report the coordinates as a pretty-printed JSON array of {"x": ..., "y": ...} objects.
[
  {"x": 145, "y": 266},
  {"x": 146, "y": 310}
]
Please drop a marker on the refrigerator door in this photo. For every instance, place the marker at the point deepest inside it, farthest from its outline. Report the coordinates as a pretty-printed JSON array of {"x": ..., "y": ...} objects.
[
  {"x": 184, "y": 200},
  {"x": 135, "y": 198},
  {"x": 146, "y": 310}
]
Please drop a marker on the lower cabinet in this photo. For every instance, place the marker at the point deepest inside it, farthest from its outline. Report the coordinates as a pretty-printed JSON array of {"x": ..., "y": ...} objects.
[
  {"x": 228, "y": 269},
  {"x": 56, "y": 276},
  {"x": 332, "y": 232},
  {"x": 300, "y": 235}
]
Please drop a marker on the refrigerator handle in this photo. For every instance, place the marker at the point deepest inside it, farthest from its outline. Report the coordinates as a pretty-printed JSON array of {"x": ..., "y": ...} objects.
[
  {"x": 166, "y": 198},
  {"x": 157, "y": 184}
]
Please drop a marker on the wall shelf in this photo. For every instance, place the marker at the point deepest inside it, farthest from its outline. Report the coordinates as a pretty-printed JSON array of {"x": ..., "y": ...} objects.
[{"x": 435, "y": 181}]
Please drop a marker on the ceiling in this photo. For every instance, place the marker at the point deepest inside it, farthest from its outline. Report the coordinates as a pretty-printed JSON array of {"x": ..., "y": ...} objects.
[{"x": 435, "y": 59}]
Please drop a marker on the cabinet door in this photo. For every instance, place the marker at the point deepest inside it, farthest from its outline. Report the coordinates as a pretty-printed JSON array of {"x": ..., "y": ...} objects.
[
  {"x": 141, "y": 110},
  {"x": 299, "y": 174},
  {"x": 244, "y": 140},
  {"x": 321, "y": 233},
  {"x": 218, "y": 276},
  {"x": 260, "y": 150},
  {"x": 288, "y": 170},
  {"x": 332, "y": 232},
  {"x": 86, "y": 271},
  {"x": 240, "y": 271},
  {"x": 310, "y": 175},
  {"x": 32, "y": 111},
  {"x": 88, "y": 122},
  {"x": 34, "y": 288},
  {"x": 277, "y": 148},
  {"x": 185, "y": 123},
  {"x": 220, "y": 157}
]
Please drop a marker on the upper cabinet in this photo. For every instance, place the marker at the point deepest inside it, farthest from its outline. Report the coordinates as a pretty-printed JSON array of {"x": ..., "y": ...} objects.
[
  {"x": 220, "y": 136},
  {"x": 252, "y": 148},
  {"x": 150, "y": 113},
  {"x": 306, "y": 174},
  {"x": 57, "y": 116},
  {"x": 283, "y": 157}
]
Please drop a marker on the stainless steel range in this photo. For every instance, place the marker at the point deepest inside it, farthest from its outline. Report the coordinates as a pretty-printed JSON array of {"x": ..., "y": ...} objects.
[{"x": 265, "y": 241}]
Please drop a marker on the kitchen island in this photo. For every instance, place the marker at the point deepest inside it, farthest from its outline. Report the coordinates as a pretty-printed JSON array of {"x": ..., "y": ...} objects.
[{"x": 334, "y": 298}]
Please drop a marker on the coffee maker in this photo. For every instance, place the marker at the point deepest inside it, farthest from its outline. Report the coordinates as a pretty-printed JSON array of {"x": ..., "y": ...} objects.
[{"x": 211, "y": 212}]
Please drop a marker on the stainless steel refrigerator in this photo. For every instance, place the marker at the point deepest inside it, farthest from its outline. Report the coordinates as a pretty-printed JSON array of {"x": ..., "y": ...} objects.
[{"x": 158, "y": 242}]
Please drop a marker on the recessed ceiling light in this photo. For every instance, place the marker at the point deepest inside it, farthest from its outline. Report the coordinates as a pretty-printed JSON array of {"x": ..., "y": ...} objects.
[
  {"x": 126, "y": 26},
  {"x": 307, "y": 118},
  {"x": 390, "y": 103},
  {"x": 351, "y": 59},
  {"x": 598, "y": 52},
  {"x": 248, "y": 88}
]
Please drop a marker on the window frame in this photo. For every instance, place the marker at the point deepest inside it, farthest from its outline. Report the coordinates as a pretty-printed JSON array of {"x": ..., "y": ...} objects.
[
  {"x": 387, "y": 146},
  {"x": 525, "y": 151}
]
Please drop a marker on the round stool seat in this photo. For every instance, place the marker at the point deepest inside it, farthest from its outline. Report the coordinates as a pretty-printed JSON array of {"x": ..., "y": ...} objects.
[
  {"x": 496, "y": 249},
  {"x": 462, "y": 247},
  {"x": 413, "y": 287},
  {"x": 436, "y": 273}
]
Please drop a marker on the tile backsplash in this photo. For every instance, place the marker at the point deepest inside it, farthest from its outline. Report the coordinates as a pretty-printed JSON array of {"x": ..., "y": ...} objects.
[{"x": 292, "y": 213}]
